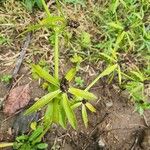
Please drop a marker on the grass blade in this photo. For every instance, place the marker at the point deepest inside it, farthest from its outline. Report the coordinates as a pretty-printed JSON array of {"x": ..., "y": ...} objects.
[{"x": 107, "y": 71}]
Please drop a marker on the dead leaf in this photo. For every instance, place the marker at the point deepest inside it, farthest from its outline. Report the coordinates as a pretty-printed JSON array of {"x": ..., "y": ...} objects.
[{"x": 18, "y": 98}]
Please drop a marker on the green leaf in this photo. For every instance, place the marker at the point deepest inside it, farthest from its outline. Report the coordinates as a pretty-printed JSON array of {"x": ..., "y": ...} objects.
[
  {"x": 52, "y": 22},
  {"x": 79, "y": 81},
  {"x": 108, "y": 57},
  {"x": 36, "y": 133},
  {"x": 29, "y": 4},
  {"x": 71, "y": 74},
  {"x": 85, "y": 39},
  {"x": 115, "y": 25},
  {"x": 62, "y": 117},
  {"x": 42, "y": 102},
  {"x": 22, "y": 138},
  {"x": 107, "y": 71},
  {"x": 48, "y": 116},
  {"x": 138, "y": 74},
  {"x": 90, "y": 107},
  {"x": 84, "y": 116},
  {"x": 69, "y": 112},
  {"x": 119, "y": 39},
  {"x": 42, "y": 146},
  {"x": 56, "y": 111},
  {"x": 81, "y": 93},
  {"x": 115, "y": 6},
  {"x": 119, "y": 74},
  {"x": 74, "y": 106},
  {"x": 39, "y": 3},
  {"x": 45, "y": 75}
]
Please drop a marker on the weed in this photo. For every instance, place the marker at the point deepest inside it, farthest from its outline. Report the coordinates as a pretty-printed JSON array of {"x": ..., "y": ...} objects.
[
  {"x": 30, "y": 4},
  {"x": 6, "y": 79},
  {"x": 79, "y": 81},
  {"x": 136, "y": 88},
  {"x": 28, "y": 142}
]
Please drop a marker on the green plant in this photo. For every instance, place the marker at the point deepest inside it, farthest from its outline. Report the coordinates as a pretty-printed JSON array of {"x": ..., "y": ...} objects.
[
  {"x": 85, "y": 40},
  {"x": 4, "y": 40},
  {"x": 58, "y": 100},
  {"x": 113, "y": 60},
  {"x": 30, "y": 4},
  {"x": 58, "y": 103},
  {"x": 28, "y": 142},
  {"x": 6, "y": 78},
  {"x": 79, "y": 81},
  {"x": 136, "y": 88}
]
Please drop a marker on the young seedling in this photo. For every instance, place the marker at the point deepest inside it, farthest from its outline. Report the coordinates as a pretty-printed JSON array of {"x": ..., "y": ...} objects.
[
  {"x": 28, "y": 142},
  {"x": 136, "y": 88}
]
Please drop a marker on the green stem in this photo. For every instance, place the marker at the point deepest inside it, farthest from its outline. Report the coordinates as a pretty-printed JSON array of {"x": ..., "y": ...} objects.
[
  {"x": 91, "y": 84},
  {"x": 56, "y": 55},
  {"x": 3, "y": 144},
  {"x": 46, "y": 8}
]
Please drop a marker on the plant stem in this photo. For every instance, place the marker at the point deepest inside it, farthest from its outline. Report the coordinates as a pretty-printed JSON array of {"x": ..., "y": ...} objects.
[
  {"x": 56, "y": 55},
  {"x": 46, "y": 8},
  {"x": 93, "y": 82}
]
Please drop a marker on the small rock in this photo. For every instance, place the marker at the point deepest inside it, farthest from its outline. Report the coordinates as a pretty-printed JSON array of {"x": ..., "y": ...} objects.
[
  {"x": 109, "y": 104},
  {"x": 101, "y": 143}
]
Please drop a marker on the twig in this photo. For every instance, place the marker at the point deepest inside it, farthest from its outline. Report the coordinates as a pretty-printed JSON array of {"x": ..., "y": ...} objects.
[{"x": 22, "y": 55}]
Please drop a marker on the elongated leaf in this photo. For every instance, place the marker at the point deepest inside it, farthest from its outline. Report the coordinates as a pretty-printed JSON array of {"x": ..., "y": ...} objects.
[
  {"x": 107, "y": 71},
  {"x": 115, "y": 6},
  {"x": 108, "y": 57},
  {"x": 90, "y": 107},
  {"x": 83, "y": 94},
  {"x": 48, "y": 116},
  {"x": 84, "y": 116},
  {"x": 119, "y": 74},
  {"x": 42, "y": 146},
  {"x": 45, "y": 75},
  {"x": 56, "y": 111},
  {"x": 42, "y": 102},
  {"x": 2, "y": 145},
  {"x": 74, "y": 106},
  {"x": 36, "y": 133},
  {"x": 138, "y": 74},
  {"x": 53, "y": 20},
  {"x": 62, "y": 117},
  {"x": 120, "y": 38},
  {"x": 71, "y": 74},
  {"x": 69, "y": 112}
]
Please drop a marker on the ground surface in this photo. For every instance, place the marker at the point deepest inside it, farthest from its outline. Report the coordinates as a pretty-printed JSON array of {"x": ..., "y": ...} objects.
[{"x": 114, "y": 126}]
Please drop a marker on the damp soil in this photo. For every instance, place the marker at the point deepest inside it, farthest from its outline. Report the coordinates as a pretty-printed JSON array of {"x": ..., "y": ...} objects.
[{"x": 114, "y": 126}]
